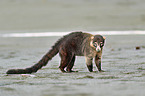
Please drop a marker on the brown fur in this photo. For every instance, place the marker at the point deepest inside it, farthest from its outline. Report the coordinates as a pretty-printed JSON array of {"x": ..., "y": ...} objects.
[{"x": 68, "y": 47}]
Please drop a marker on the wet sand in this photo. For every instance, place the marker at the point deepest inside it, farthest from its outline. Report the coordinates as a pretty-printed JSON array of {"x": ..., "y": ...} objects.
[{"x": 124, "y": 66}]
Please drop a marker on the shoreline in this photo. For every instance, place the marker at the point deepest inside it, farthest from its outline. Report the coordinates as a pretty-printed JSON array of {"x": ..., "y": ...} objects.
[{"x": 48, "y": 34}]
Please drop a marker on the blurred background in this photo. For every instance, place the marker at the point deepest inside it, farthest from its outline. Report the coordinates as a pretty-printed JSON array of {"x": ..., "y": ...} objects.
[{"x": 70, "y": 15}]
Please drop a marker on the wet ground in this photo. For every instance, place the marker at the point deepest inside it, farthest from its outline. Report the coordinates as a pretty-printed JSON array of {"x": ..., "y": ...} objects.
[{"x": 124, "y": 66}]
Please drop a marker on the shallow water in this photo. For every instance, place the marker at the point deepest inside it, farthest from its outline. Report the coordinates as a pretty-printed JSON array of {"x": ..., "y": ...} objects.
[{"x": 124, "y": 66}]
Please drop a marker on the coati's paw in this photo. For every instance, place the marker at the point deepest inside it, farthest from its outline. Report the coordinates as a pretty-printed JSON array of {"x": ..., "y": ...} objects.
[{"x": 62, "y": 70}]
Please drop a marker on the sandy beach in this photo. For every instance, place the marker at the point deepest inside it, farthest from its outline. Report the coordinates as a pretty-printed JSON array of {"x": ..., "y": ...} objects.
[{"x": 124, "y": 66}]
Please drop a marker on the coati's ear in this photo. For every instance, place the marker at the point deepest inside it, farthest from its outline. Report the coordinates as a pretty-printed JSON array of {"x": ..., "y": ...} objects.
[
  {"x": 104, "y": 37},
  {"x": 91, "y": 42},
  {"x": 92, "y": 37}
]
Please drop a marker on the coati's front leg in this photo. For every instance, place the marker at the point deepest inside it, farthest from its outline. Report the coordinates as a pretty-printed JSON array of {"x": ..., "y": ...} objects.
[
  {"x": 89, "y": 63},
  {"x": 98, "y": 62}
]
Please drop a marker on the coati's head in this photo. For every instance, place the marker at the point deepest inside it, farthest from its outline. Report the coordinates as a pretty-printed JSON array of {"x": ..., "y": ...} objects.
[{"x": 97, "y": 41}]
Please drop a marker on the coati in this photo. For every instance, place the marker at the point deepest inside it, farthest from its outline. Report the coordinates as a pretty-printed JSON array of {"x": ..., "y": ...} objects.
[{"x": 68, "y": 47}]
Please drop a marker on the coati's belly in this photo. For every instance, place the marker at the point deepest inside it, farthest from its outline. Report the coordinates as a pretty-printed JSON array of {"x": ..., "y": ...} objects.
[{"x": 79, "y": 54}]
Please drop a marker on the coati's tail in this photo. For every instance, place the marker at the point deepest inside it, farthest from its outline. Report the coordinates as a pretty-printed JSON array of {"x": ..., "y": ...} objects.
[
  {"x": 38, "y": 65},
  {"x": 45, "y": 59}
]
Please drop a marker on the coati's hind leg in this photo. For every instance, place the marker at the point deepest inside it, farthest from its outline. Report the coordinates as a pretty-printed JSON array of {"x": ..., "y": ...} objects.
[
  {"x": 66, "y": 58},
  {"x": 70, "y": 65}
]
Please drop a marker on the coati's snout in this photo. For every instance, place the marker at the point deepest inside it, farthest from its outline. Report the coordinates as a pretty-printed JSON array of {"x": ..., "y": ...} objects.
[{"x": 98, "y": 46}]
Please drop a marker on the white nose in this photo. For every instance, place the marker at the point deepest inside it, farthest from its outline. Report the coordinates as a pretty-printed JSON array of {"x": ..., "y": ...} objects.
[{"x": 98, "y": 49}]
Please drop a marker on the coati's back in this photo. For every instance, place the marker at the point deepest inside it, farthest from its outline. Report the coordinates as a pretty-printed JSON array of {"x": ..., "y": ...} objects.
[{"x": 74, "y": 42}]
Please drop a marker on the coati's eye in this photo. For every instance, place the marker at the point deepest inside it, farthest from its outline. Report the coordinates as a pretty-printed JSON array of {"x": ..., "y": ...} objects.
[
  {"x": 95, "y": 44},
  {"x": 101, "y": 44}
]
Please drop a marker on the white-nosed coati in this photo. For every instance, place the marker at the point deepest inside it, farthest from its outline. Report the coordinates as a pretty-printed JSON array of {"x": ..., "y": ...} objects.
[{"x": 68, "y": 47}]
